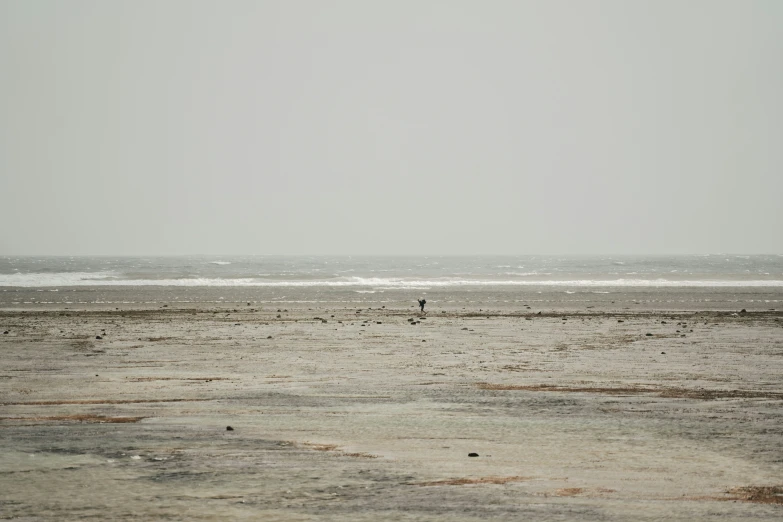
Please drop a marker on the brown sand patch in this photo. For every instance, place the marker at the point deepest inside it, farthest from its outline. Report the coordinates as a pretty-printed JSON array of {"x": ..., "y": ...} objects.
[
  {"x": 669, "y": 393},
  {"x": 759, "y": 494},
  {"x": 568, "y": 492},
  {"x": 682, "y": 393},
  {"x": 469, "y": 481},
  {"x": 100, "y": 419}
]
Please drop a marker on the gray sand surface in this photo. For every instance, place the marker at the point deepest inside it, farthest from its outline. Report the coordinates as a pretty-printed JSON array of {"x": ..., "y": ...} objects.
[{"x": 343, "y": 412}]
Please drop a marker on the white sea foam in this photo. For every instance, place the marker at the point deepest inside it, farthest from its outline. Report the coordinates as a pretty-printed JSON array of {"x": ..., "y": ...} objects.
[
  {"x": 56, "y": 279},
  {"x": 220, "y": 262},
  {"x": 113, "y": 279}
]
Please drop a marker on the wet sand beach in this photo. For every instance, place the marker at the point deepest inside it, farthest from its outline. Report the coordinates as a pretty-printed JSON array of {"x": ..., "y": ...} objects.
[{"x": 598, "y": 408}]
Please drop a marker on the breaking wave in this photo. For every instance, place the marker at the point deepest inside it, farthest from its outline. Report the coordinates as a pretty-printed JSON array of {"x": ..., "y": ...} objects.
[{"x": 114, "y": 279}]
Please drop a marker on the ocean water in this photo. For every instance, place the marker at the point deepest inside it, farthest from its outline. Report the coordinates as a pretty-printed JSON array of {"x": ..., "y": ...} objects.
[{"x": 371, "y": 274}]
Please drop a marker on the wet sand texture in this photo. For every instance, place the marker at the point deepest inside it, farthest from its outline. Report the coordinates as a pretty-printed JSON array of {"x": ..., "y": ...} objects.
[{"x": 370, "y": 414}]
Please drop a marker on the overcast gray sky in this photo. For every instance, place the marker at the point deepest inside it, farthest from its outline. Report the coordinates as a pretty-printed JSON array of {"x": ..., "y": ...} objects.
[{"x": 391, "y": 127}]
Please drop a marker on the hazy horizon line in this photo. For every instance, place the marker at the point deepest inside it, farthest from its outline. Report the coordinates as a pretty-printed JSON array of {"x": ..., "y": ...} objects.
[{"x": 702, "y": 254}]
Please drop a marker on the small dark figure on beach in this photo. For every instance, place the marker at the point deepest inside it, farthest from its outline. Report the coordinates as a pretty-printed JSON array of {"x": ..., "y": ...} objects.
[{"x": 422, "y": 302}]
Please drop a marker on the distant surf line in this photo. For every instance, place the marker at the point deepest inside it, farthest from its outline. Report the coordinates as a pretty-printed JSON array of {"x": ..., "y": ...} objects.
[{"x": 70, "y": 279}]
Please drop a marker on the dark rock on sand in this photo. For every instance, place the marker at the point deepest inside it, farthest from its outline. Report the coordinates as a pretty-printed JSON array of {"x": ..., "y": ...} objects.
[
  {"x": 229, "y": 428},
  {"x": 473, "y": 454},
  {"x": 98, "y": 337}
]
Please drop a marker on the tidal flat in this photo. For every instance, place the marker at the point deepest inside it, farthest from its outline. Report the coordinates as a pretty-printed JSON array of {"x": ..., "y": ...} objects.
[{"x": 300, "y": 411}]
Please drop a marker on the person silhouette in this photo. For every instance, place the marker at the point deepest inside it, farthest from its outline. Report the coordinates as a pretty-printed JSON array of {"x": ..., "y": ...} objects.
[{"x": 422, "y": 302}]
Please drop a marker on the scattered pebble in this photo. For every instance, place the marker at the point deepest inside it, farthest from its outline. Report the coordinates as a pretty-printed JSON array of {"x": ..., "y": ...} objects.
[
  {"x": 473, "y": 454},
  {"x": 229, "y": 428}
]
